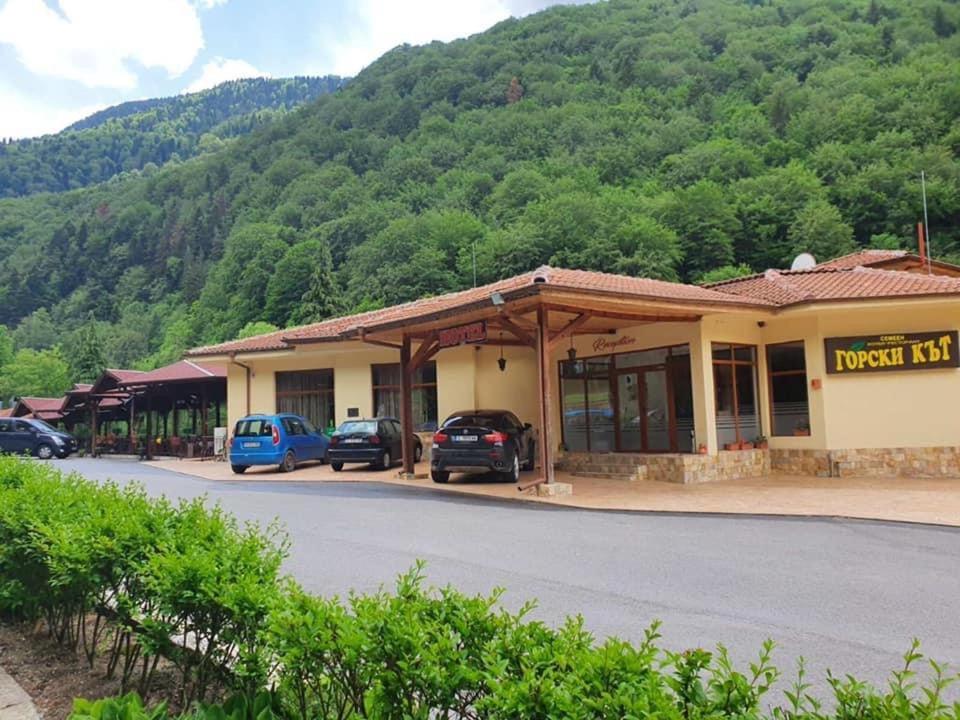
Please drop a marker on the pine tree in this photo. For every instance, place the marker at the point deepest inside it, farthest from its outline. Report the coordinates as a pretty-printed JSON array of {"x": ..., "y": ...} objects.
[
  {"x": 86, "y": 360},
  {"x": 322, "y": 298}
]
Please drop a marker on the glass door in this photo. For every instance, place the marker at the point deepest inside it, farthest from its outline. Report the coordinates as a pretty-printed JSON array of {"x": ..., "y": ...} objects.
[
  {"x": 656, "y": 410},
  {"x": 629, "y": 415}
]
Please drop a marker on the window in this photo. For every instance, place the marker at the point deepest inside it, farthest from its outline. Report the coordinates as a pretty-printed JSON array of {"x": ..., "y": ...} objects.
[
  {"x": 293, "y": 426},
  {"x": 386, "y": 394},
  {"x": 308, "y": 393},
  {"x": 789, "y": 406},
  {"x": 735, "y": 386}
]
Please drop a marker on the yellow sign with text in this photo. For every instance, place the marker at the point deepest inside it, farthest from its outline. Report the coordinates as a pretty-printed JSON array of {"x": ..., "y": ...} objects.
[{"x": 880, "y": 353}]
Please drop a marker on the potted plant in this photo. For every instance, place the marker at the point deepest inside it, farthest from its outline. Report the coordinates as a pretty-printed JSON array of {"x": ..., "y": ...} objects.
[
  {"x": 746, "y": 445},
  {"x": 802, "y": 428},
  {"x": 732, "y": 446},
  {"x": 760, "y": 442}
]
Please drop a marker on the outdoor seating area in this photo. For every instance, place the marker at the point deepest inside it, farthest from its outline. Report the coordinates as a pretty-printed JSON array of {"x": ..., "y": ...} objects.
[{"x": 171, "y": 411}]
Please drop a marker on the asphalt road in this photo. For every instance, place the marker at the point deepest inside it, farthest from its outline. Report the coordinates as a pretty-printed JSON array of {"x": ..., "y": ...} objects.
[{"x": 848, "y": 595}]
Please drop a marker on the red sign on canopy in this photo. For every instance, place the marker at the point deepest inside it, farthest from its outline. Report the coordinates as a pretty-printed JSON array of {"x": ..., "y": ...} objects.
[{"x": 463, "y": 334}]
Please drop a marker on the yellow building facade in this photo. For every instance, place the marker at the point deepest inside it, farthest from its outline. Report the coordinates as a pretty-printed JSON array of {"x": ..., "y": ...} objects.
[{"x": 811, "y": 372}]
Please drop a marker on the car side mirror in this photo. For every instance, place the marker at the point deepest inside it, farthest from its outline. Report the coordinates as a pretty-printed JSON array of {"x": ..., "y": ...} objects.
[{"x": 527, "y": 426}]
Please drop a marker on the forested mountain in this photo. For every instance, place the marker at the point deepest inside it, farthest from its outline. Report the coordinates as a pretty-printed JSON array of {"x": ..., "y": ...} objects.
[
  {"x": 667, "y": 138},
  {"x": 135, "y": 135}
]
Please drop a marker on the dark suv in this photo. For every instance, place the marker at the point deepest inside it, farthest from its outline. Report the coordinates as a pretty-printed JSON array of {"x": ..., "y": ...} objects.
[
  {"x": 26, "y": 436},
  {"x": 376, "y": 441},
  {"x": 481, "y": 441}
]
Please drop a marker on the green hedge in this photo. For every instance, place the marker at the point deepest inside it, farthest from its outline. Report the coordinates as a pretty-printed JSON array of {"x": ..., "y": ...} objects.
[{"x": 109, "y": 570}]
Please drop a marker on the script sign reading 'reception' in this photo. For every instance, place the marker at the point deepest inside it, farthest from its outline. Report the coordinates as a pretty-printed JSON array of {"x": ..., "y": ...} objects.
[
  {"x": 882, "y": 353},
  {"x": 463, "y": 334}
]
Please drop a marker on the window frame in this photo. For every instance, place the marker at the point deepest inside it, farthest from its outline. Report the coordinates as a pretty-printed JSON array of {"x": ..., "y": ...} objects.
[
  {"x": 771, "y": 374},
  {"x": 732, "y": 363},
  {"x": 327, "y": 393},
  {"x": 374, "y": 388}
]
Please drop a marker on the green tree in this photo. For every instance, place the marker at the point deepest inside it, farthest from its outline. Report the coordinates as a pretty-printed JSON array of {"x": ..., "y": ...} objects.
[
  {"x": 727, "y": 272},
  {"x": 303, "y": 276},
  {"x": 6, "y": 345},
  {"x": 323, "y": 297},
  {"x": 86, "y": 353},
  {"x": 35, "y": 373},
  {"x": 706, "y": 224},
  {"x": 820, "y": 230},
  {"x": 259, "y": 327}
]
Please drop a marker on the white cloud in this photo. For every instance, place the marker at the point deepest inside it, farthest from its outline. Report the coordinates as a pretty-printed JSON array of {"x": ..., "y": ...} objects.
[
  {"x": 209, "y": 4},
  {"x": 24, "y": 116},
  {"x": 380, "y": 25},
  {"x": 94, "y": 41},
  {"x": 220, "y": 70}
]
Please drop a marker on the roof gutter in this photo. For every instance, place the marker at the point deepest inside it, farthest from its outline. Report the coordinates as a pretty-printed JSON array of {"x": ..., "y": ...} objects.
[{"x": 249, "y": 372}]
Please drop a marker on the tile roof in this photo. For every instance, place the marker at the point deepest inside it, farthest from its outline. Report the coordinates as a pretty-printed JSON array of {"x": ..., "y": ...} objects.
[
  {"x": 123, "y": 376},
  {"x": 41, "y": 404},
  {"x": 846, "y": 278},
  {"x": 791, "y": 287},
  {"x": 530, "y": 282},
  {"x": 863, "y": 258},
  {"x": 180, "y": 371}
]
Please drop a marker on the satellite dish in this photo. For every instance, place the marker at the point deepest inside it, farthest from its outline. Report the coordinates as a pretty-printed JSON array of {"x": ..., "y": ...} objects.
[{"x": 803, "y": 261}]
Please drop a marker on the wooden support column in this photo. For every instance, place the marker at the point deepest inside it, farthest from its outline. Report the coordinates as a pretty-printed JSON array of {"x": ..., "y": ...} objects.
[
  {"x": 204, "y": 411},
  {"x": 131, "y": 427},
  {"x": 406, "y": 405},
  {"x": 148, "y": 452},
  {"x": 217, "y": 413},
  {"x": 545, "y": 372},
  {"x": 176, "y": 419},
  {"x": 93, "y": 427}
]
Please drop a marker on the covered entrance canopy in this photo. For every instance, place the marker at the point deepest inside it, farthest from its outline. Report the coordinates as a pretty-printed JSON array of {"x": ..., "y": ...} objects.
[{"x": 541, "y": 310}]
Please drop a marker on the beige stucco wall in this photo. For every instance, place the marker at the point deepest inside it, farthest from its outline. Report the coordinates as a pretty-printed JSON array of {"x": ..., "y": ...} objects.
[
  {"x": 910, "y": 408},
  {"x": 893, "y": 409}
]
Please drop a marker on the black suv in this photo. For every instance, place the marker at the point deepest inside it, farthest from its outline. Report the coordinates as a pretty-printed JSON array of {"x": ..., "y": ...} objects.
[
  {"x": 376, "y": 441},
  {"x": 26, "y": 436},
  {"x": 481, "y": 441}
]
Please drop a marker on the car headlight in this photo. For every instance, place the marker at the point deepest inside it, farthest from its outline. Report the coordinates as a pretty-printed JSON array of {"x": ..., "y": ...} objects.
[{"x": 58, "y": 440}]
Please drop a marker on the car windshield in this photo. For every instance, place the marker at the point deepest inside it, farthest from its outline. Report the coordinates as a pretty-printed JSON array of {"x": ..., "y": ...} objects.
[
  {"x": 254, "y": 427},
  {"x": 359, "y": 426},
  {"x": 495, "y": 422}
]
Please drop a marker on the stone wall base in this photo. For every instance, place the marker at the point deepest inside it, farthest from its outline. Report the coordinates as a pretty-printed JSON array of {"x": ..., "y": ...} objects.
[
  {"x": 669, "y": 467},
  {"x": 923, "y": 462}
]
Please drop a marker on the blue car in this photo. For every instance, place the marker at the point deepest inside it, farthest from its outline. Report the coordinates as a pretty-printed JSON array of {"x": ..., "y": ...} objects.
[{"x": 282, "y": 440}]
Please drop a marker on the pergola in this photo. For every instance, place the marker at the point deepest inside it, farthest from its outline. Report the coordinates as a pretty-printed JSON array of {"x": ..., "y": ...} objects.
[{"x": 538, "y": 310}]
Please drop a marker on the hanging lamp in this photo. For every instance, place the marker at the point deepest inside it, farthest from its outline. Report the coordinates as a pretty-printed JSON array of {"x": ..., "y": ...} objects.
[{"x": 501, "y": 361}]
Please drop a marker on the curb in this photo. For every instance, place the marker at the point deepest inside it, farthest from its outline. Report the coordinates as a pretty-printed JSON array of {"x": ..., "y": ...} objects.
[{"x": 15, "y": 704}]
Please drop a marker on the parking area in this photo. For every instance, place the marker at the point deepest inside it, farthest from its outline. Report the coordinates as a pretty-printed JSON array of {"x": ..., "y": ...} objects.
[{"x": 918, "y": 500}]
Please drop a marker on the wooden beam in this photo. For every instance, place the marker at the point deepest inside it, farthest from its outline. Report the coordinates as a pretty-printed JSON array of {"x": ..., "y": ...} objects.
[
  {"x": 381, "y": 343},
  {"x": 568, "y": 330},
  {"x": 406, "y": 405},
  {"x": 428, "y": 348},
  {"x": 545, "y": 373},
  {"x": 518, "y": 332},
  {"x": 616, "y": 315}
]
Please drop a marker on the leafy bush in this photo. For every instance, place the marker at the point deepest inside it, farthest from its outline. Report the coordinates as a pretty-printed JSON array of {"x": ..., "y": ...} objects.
[{"x": 108, "y": 569}]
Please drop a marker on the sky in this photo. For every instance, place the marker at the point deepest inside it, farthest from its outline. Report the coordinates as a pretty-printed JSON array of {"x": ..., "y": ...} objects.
[{"x": 61, "y": 60}]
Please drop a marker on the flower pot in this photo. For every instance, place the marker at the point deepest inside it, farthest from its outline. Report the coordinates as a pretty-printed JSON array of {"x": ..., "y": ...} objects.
[
  {"x": 732, "y": 446},
  {"x": 801, "y": 433},
  {"x": 702, "y": 449},
  {"x": 746, "y": 446},
  {"x": 763, "y": 445}
]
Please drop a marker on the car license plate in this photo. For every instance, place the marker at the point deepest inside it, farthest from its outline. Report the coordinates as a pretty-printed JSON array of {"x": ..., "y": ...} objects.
[
  {"x": 251, "y": 444},
  {"x": 352, "y": 441},
  {"x": 465, "y": 438}
]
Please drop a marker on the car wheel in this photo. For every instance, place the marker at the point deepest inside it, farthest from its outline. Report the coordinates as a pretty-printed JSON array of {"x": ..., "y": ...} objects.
[
  {"x": 336, "y": 465},
  {"x": 513, "y": 474},
  {"x": 44, "y": 451},
  {"x": 417, "y": 452},
  {"x": 440, "y": 476},
  {"x": 239, "y": 469},
  {"x": 531, "y": 461},
  {"x": 386, "y": 461},
  {"x": 289, "y": 462}
]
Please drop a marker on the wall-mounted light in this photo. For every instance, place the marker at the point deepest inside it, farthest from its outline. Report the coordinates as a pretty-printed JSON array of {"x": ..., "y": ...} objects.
[
  {"x": 497, "y": 299},
  {"x": 572, "y": 352}
]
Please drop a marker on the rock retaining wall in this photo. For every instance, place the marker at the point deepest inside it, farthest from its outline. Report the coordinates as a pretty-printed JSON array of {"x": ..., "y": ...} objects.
[{"x": 930, "y": 462}]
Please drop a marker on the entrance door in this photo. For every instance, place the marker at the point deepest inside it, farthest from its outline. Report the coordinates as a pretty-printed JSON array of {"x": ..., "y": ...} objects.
[{"x": 643, "y": 410}]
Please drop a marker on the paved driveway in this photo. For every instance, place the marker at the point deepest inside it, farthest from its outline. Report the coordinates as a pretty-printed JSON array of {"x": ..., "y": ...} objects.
[{"x": 845, "y": 594}]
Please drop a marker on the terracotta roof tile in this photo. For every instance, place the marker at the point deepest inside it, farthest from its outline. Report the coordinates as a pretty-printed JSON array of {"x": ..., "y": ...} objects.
[
  {"x": 554, "y": 278},
  {"x": 41, "y": 404},
  {"x": 862, "y": 258},
  {"x": 790, "y": 287},
  {"x": 181, "y": 371}
]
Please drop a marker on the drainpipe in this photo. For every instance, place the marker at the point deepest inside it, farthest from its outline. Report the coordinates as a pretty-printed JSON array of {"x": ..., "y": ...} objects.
[{"x": 233, "y": 359}]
